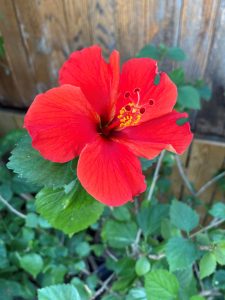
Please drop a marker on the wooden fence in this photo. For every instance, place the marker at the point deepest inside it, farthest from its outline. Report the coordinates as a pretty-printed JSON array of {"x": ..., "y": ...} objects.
[{"x": 40, "y": 34}]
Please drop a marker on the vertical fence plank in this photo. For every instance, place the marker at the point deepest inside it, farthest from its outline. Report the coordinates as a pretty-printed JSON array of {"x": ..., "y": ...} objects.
[
  {"x": 17, "y": 61},
  {"x": 197, "y": 25},
  {"x": 78, "y": 24}
]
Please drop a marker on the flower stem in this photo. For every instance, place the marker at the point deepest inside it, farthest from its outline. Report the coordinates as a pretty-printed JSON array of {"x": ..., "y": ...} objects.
[
  {"x": 12, "y": 209},
  {"x": 155, "y": 176}
]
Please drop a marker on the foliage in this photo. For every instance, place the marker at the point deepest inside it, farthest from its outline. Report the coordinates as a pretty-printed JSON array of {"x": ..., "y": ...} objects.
[
  {"x": 190, "y": 94},
  {"x": 60, "y": 248}
]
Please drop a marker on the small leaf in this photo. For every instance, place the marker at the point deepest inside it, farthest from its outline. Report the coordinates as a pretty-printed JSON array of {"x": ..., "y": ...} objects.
[
  {"x": 70, "y": 212},
  {"x": 142, "y": 266},
  {"x": 207, "y": 265},
  {"x": 183, "y": 216},
  {"x": 218, "y": 210},
  {"x": 3, "y": 256},
  {"x": 219, "y": 253},
  {"x": 136, "y": 294},
  {"x": 2, "y": 48},
  {"x": 160, "y": 284},
  {"x": 177, "y": 76},
  {"x": 147, "y": 163},
  {"x": 150, "y": 51},
  {"x": 175, "y": 53},
  {"x": 31, "y": 166},
  {"x": 119, "y": 235},
  {"x": 188, "y": 97},
  {"x": 32, "y": 263},
  {"x": 8, "y": 142},
  {"x": 219, "y": 279},
  {"x": 181, "y": 253},
  {"x": 149, "y": 216},
  {"x": 196, "y": 297},
  {"x": 205, "y": 92},
  {"x": 32, "y": 220},
  {"x": 59, "y": 292},
  {"x": 121, "y": 213}
]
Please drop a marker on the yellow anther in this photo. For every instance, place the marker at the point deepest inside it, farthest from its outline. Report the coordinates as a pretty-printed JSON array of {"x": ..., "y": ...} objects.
[{"x": 129, "y": 115}]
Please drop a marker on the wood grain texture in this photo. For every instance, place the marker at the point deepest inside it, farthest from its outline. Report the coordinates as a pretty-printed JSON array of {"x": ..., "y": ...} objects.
[
  {"x": 211, "y": 120},
  {"x": 197, "y": 27},
  {"x": 19, "y": 74},
  {"x": 204, "y": 161},
  {"x": 10, "y": 120}
]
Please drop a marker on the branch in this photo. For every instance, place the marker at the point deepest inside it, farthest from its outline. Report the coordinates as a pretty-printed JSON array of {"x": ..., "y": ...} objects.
[
  {"x": 210, "y": 182},
  {"x": 213, "y": 224},
  {"x": 184, "y": 176},
  {"x": 103, "y": 287},
  {"x": 12, "y": 209},
  {"x": 155, "y": 176},
  {"x": 136, "y": 242}
]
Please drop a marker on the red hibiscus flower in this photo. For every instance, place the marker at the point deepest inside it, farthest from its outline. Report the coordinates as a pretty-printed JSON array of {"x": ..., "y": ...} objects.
[{"x": 108, "y": 118}]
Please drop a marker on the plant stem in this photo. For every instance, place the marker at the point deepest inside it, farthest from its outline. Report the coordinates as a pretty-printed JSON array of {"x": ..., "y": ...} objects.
[
  {"x": 213, "y": 224},
  {"x": 155, "y": 176},
  {"x": 12, "y": 209},
  {"x": 184, "y": 176},
  {"x": 103, "y": 287},
  {"x": 210, "y": 182}
]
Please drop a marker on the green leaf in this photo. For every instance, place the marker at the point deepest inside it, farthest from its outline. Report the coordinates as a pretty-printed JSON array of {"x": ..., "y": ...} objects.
[
  {"x": 32, "y": 220},
  {"x": 31, "y": 166},
  {"x": 219, "y": 279},
  {"x": 218, "y": 210},
  {"x": 188, "y": 97},
  {"x": 59, "y": 292},
  {"x": 2, "y": 48},
  {"x": 10, "y": 289},
  {"x": 175, "y": 53},
  {"x": 160, "y": 284},
  {"x": 121, "y": 213},
  {"x": 205, "y": 92},
  {"x": 70, "y": 212},
  {"x": 3, "y": 256},
  {"x": 119, "y": 235},
  {"x": 32, "y": 263},
  {"x": 137, "y": 294},
  {"x": 149, "y": 217},
  {"x": 177, "y": 76},
  {"x": 142, "y": 266},
  {"x": 83, "y": 249},
  {"x": 6, "y": 191},
  {"x": 150, "y": 51},
  {"x": 7, "y": 142},
  {"x": 219, "y": 253},
  {"x": 181, "y": 253},
  {"x": 196, "y": 297},
  {"x": 183, "y": 216},
  {"x": 207, "y": 265},
  {"x": 147, "y": 163}
]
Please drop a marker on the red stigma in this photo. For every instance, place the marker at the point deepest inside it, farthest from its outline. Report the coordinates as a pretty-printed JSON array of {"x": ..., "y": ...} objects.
[
  {"x": 127, "y": 107},
  {"x": 142, "y": 110},
  {"x": 127, "y": 95},
  {"x": 137, "y": 90}
]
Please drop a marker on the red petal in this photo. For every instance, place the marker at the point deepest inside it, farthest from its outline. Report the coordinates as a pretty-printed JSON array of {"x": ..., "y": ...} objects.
[
  {"x": 97, "y": 79},
  {"x": 110, "y": 172},
  {"x": 140, "y": 73},
  {"x": 149, "y": 138},
  {"x": 61, "y": 122}
]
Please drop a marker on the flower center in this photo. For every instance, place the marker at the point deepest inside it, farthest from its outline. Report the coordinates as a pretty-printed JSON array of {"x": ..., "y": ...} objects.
[{"x": 131, "y": 113}]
